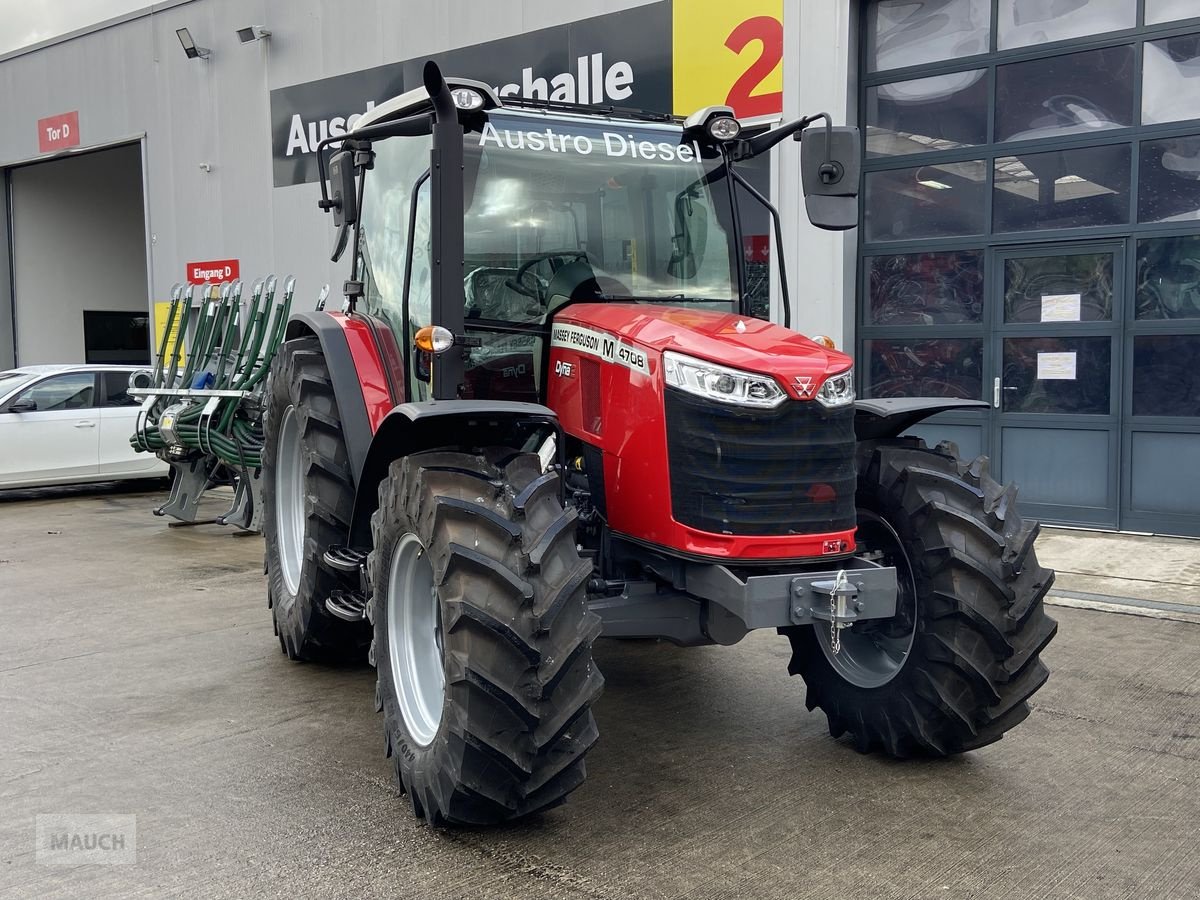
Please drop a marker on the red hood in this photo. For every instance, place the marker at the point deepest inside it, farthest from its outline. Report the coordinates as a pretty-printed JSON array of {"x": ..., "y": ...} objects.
[{"x": 757, "y": 346}]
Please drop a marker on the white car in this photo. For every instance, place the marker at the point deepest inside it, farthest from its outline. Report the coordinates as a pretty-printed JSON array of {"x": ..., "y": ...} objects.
[{"x": 65, "y": 424}]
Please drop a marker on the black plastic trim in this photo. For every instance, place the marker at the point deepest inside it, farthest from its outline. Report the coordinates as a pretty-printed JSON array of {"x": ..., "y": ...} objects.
[{"x": 875, "y": 419}]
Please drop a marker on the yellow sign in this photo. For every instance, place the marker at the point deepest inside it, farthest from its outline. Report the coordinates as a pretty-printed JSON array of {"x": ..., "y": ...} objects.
[
  {"x": 162, "y": 312},
  {"x": 728, "y": 54}
]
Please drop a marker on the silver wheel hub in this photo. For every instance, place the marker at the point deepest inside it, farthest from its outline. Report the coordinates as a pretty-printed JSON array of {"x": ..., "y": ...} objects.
[
  {"x": 289, "y": 499},
  {"x": 414, "y": 631},
  {"x": 873, "y": 652}
]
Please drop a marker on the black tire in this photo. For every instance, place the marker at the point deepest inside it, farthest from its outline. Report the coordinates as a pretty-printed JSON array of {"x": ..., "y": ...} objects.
[
  {"x": 516, "y": 636},
  {"x": 300, "y": 378},
  {"x": 979, "y": 613}
]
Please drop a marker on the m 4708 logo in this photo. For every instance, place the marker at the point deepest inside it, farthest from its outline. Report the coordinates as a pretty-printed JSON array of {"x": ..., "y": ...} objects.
[{"x": 804, "y": 386}]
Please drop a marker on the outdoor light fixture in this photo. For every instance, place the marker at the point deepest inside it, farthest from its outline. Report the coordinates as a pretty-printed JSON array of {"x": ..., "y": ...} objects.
[
  {"x": 467, "y": 98},
  {"x": 252, "y": 33},
  {"x": 189, "y": 46}
]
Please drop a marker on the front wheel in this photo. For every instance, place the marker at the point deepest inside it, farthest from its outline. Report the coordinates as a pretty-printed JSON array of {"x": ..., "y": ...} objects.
[
  {"x": 482, "y": 636},
  {"x": 953, "y": 669}
]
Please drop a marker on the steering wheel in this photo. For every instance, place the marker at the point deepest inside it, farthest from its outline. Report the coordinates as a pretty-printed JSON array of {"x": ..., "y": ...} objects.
[{"x": 538, "y": 291}]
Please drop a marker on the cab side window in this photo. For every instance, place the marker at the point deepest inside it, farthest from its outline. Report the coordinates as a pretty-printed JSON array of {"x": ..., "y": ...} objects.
[
  {"x": 74, "y": 390},
  {"x": 384, "y": 228}
]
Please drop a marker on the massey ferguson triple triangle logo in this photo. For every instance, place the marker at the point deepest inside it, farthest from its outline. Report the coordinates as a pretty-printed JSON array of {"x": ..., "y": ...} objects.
[{"x": 804, "y": 384}]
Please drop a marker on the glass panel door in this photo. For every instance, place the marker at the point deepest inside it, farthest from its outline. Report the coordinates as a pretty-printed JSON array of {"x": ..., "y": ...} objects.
[{"x": 1056, "y": 385}]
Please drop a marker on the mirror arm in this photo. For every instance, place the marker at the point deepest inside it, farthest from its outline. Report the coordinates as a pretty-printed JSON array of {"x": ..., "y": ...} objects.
[
  {"x": 749, "y": 148},
  {"x": 783, "y": 285}
]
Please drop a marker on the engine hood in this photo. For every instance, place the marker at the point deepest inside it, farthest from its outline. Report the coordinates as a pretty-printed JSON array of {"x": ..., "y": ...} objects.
[{"x": 800, "y": 365}]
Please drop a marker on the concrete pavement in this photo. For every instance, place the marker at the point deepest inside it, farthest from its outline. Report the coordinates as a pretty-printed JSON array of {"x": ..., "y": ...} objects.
[
  {"x": 139, "y": 675},
  {"x": 1130, "y": 573}
]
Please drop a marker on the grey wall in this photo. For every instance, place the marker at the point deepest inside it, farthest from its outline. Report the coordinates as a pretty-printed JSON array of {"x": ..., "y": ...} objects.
[
  {"x": 79, "y": 243},
  {"x": 132, "y": 78}
]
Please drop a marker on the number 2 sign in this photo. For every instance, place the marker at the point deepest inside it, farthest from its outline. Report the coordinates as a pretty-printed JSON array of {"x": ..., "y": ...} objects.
[{"x": 728, "y": 53}]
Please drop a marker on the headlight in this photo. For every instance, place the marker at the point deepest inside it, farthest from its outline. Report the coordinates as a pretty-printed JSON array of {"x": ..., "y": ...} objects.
[
  {"x": 725, "y": 385},
  {"x": 838, "y": 390}
]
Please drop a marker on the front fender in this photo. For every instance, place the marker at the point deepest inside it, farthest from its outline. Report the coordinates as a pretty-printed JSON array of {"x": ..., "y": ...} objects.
[
  {"x": 876, "y": 419},
  {"x": 414, "y": 427}
]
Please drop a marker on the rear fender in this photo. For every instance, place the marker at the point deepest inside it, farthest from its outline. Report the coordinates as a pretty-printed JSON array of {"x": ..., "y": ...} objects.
[
  {"x": 877, "y": 419},
  {"x": 357, "y": 374},
  {"x": 414, "y": 427}
]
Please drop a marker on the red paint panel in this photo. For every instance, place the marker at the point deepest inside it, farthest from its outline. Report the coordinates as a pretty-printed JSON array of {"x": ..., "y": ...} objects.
[
  {"x": 213, "y": 270},
  {"x": 368, "y": 362},
  {"x": 634, "y": 437},
  {"x": 58, "y": 132}
]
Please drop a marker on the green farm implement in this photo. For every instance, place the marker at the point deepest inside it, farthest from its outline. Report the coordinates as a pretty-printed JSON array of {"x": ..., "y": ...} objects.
[{"x": 202, "y": 402}]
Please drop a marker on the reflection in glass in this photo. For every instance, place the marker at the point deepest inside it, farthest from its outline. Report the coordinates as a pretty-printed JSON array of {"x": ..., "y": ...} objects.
[
  {"x": 1071, "y": 94},
  {"x": 1169, "y": 180},
  {"x": 1056, "y": 375},
  {"x": 1026, "y": 22},
  {"x": 915, "y": 32},
  {"x": 1071, "y": 288},
  {"x": 1166, "y": 375},
  {"x": 938, "y": 113},
  {"x": 1158, "y": 11},
  {"x": 926, "y": 288},
  {"x": 927, "y": 201},
  {"x": 932, "y": 367},
  {"x": 1062, "y": 189},
  {"x": 1168, "y": 278},
  {"x": 1171, "y": 80}
]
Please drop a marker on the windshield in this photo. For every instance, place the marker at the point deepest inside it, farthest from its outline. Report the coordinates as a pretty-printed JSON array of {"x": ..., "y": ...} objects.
[
  {"x": 10, "y": 381},
  {"x": 570, "y": 208}
]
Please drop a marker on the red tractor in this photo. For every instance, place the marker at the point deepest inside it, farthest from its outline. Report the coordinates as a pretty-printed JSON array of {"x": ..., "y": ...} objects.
[{"x": 546, "y": 414}]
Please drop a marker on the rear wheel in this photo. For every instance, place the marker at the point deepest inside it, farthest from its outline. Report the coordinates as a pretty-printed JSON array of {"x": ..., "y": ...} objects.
[
  {"x": 953, "y": 669},
  {"x": 308, "y": 498},
  {"x": 482, "y": 636}
]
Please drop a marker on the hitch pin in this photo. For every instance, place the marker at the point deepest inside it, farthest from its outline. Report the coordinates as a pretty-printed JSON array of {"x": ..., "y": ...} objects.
[{"x": 837, "y": 611}]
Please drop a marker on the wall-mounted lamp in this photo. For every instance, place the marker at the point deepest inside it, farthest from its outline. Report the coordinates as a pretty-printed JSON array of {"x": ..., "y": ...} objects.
[
  {"x": 189, "y": 46},
  {"x": 252, "y": 33}
]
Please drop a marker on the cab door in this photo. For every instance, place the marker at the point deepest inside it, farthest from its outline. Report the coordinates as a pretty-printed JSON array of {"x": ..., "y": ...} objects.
[{"x": 49, "y": 433}]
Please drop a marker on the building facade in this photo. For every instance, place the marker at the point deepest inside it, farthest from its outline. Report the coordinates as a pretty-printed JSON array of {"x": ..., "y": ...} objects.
[{"x": 1030, "y": 231}]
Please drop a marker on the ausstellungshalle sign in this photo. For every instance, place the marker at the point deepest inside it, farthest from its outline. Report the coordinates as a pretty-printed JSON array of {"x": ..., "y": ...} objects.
[{"x": 622, "y": 58}]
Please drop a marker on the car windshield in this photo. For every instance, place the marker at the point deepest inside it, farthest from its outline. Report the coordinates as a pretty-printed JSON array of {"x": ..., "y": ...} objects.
[
  {"x": 11, "y": 381},
  {"x": 626, "y": 212}
]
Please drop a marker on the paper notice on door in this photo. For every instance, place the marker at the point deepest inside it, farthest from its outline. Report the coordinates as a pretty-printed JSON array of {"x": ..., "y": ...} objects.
[
  {"x": 1060, "y": 308},
  {"x": 1056, "y": 366}
]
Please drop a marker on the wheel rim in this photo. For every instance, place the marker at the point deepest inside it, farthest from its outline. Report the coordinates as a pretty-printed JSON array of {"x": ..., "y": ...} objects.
[
  {"x": 289, "y": 499},
  {"x": 414, "y": 630},
  {"x": 873, "y": 652}
]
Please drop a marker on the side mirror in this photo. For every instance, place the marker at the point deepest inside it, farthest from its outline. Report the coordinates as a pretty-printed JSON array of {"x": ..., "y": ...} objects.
[
  {"x": 343, "y": 193},
  {"x": 26, "y": 405},
  {"x": 830, "y": 159}
]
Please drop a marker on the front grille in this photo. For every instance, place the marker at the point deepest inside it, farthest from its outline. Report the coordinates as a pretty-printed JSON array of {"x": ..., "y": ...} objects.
[{"x": 735, "y": 470}]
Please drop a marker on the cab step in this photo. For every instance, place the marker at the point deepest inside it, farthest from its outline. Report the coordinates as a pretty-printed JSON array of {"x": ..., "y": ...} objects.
[
  {"x": 350, "y": 606},
  {"x": 345, "y": 559}
]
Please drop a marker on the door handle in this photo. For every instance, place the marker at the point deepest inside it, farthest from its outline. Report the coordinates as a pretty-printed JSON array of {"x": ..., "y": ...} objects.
[
  {"x": 85, "y": 424},
  {"x": 996, "y": 392}
]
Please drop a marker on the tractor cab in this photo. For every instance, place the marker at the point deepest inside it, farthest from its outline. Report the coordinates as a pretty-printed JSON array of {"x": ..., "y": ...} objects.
[{"x": 482, "y": 217}]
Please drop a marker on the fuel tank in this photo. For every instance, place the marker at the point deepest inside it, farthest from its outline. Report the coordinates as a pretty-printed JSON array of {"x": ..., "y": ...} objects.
[{"x": 687, "y": 473}]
